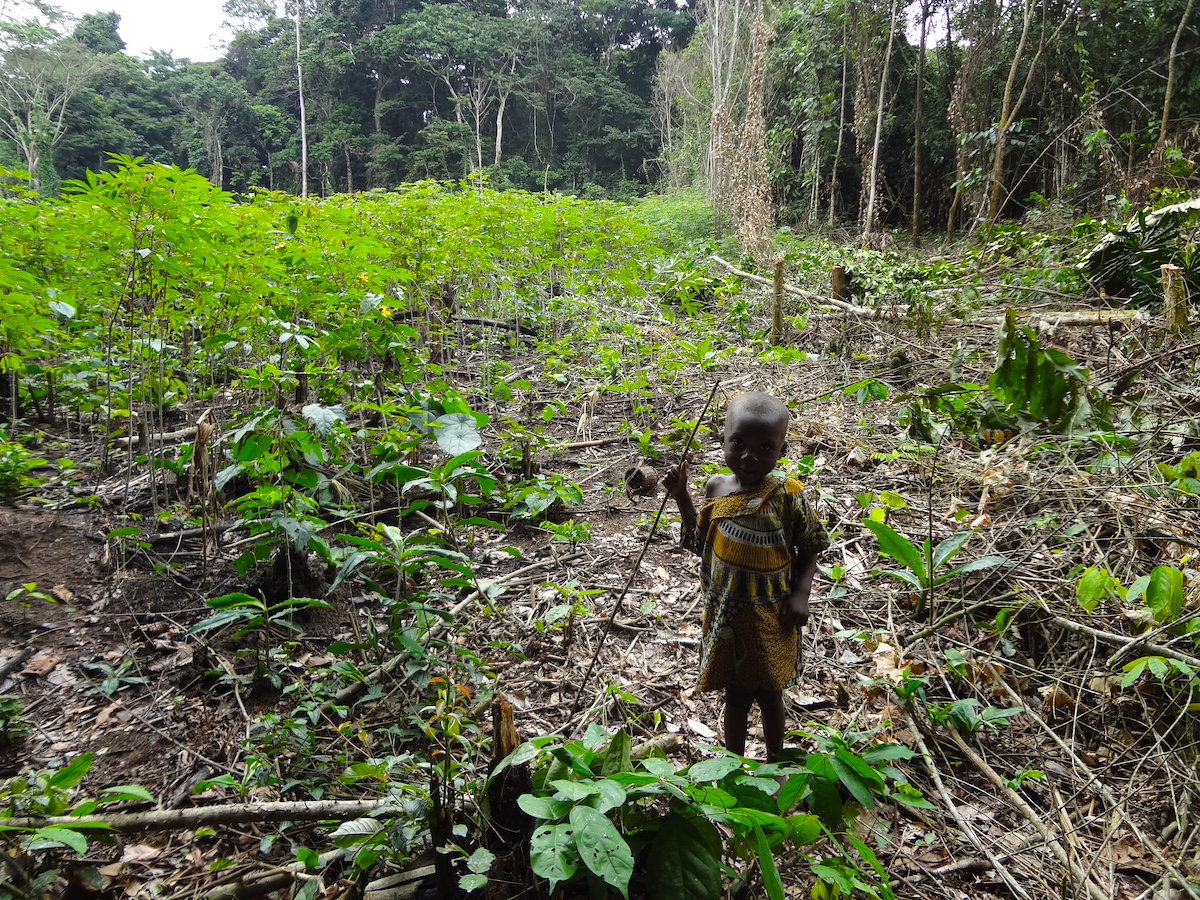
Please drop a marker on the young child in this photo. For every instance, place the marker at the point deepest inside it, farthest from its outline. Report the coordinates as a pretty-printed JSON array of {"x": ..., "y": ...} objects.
[{"x": 758, "y": 541}]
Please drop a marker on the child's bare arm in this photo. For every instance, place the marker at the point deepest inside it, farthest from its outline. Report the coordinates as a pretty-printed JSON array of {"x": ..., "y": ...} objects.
[
  {"x": 676, "y": 484},
  {"x": 794, "y": 612}
]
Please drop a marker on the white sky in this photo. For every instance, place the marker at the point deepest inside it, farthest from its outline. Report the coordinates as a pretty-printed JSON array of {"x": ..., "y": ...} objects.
[{"x": 186, "y": 28}]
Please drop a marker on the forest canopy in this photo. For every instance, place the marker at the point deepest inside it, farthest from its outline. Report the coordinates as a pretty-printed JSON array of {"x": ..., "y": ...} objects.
[{"x": 931, "y": 116}]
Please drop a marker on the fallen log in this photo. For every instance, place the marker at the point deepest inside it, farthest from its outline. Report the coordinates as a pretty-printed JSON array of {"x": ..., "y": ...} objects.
[
  {"x": 1071, "y": 318},
  {"x": 197, "y": 816}
]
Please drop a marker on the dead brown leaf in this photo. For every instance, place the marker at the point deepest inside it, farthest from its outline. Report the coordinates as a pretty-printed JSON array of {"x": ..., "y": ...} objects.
[{"x": 41, "y": 665}]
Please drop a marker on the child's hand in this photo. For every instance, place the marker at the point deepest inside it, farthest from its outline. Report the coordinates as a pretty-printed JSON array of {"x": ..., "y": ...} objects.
[
  {"x": 794, "y": 611},
  {"x": 675, "y": 481}
]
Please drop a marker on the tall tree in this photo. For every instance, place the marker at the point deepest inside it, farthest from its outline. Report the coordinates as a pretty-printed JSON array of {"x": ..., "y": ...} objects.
[
  {"x": 40, "y": 75},
  {"x": 873, "y": 172},
  {"x": 299, "y": 5},
  {"x": 1172, "y": 57}
]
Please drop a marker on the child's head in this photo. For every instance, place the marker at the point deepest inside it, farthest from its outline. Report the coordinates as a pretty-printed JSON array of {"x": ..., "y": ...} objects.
[{"x": 755, "y": 436}]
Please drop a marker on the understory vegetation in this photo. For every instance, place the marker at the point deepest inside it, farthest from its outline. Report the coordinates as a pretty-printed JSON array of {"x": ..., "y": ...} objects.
[{"x": 363, "y": 478}]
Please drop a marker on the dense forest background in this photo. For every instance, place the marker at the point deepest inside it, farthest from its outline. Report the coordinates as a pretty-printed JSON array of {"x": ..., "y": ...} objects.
[{"x": 925, "y": 115}]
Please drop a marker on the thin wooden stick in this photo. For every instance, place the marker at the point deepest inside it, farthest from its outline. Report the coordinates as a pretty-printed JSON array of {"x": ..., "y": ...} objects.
[
  {"x": 994, "y": 861},
  {"x": 1077, "y": 874},
  {"x": 1093, "y": 784},
  {"x": 637, "y": 564}
]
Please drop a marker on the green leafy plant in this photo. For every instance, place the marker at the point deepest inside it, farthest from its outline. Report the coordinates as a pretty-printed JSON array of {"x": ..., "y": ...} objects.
[
  {"x": 50, "y": 793},
  {"x": 12, "y": 723},
  {"x": 255, "y": 616},
  {"x": 541, "y": 496},
  {"x": 1041, "y": 385},
  {"x": 17, "y": 465},
  {"x": 607, "y": 820},
  {"x": 114, "y": 678},
  {"x": 970, "y": 716},
  {"x": 926, "y": 568},
  {"x": 568, "y": 532}
]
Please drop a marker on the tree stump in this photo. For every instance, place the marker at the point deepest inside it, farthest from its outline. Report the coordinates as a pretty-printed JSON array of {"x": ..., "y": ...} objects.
[
  {"x": 838, "y": 277},
  {"x": 1175, "y": 310}
]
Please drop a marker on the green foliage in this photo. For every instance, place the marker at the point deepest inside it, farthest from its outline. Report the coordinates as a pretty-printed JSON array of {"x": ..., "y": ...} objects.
[
  {"x": 1162, "y": 590},
  {"x": 970, "y": 716},
  {"x": 1032, "y": 387},
  {"x": 541, "y": 495},
  {"x": 12, "y": 725},
  {"x": 606, "y": 819},
  {"x": 1127, "y": 262},
  {"x": 925, "y": 568},
  {"x": 254, "y": 616},
  {"x": 17, "y": 465},
  {"x": 1041, "y": 385}
]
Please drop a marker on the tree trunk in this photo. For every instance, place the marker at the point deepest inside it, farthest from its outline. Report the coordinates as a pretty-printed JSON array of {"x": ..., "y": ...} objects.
[
  {"x": 303, "y": 125},
  {"x": 834, "y": 186},
  {"x": 1166, "y": 113},
  {"x": 349, "y": 170},
  {"x": 869, "y": 220},
  {"x": 1007, "y": 112},
  {"x": 1011, "y": 107},
  {"x": 917, "y": 126}
]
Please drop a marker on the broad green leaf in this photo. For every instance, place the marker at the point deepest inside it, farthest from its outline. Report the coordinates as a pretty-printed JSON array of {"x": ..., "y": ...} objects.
[
  {"x": 1164, "y": 593},
  {"x": 946, "y": 549},
  {"x": 885, "y": 752},
  {"x": 56, "y": 835},
  {"x": 71, "y": 774},
  {"x": 324, "y": 418},
  {"x": 681, "y": 863},
  {"x": 975, "y": 565},
  {"x": 552, "y": 853},
  {"x": 907, "y": 577},
  {"x": 543, "y": 807},
  {"x": 712, "y": 769},
  {"x": 898, "y": 547},
  {"x": 575, "y": 790},
  {"x": 457, "y": 433},
  {"x": 853, "y": 782},
  {"x": 659, "y": 767},
  {"x": 595, "y": 735},
  {"x": 805, "y": 829},
  {"x": 602, "y": 848},
  {"x": 1094, "y": 585},
  {"x": 616, "y": 757},
  {"x": 472, "y": 882},
  {"x": 125, "y": 792},
  {"x": 481, "y": 860},
  {"x": 354, "y": 832},
  {"x": 1137, "y": 589},
  {"x": 610, "y": 795}
]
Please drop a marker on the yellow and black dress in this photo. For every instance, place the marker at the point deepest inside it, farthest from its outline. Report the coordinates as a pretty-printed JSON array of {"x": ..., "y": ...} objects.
[{"x": 746, "y": 542}]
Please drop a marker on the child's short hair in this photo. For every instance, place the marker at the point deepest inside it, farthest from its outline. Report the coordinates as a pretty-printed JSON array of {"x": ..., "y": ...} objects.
[{"x": 761, "y": 406}]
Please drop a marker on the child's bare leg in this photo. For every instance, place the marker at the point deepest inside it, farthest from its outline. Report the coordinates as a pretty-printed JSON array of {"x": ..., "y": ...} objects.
[
  {"x": 774, "y": 718},
  {"x": 737, "y": 714}
]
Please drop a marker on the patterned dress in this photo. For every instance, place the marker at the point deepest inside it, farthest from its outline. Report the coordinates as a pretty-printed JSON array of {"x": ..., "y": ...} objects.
[{"x": 746, "y": 542}]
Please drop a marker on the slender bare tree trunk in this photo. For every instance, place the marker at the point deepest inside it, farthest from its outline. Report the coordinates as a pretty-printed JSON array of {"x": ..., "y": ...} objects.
[
  {"x": 917, "y": 126},
  {"x": 504, "y": 92},
  {"x": 1007, "y": 112},
  {"x": 837, "y": 154},
  {"x": 1166, "y": 113},
  {"x": 1010, "y": 107},
  {"x": 869, "y": 220},
  {"x": 303, "y": 121}
]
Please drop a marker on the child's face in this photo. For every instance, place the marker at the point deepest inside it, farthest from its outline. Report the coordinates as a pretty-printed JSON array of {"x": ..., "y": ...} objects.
[{"x": 752, "y": 447}]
